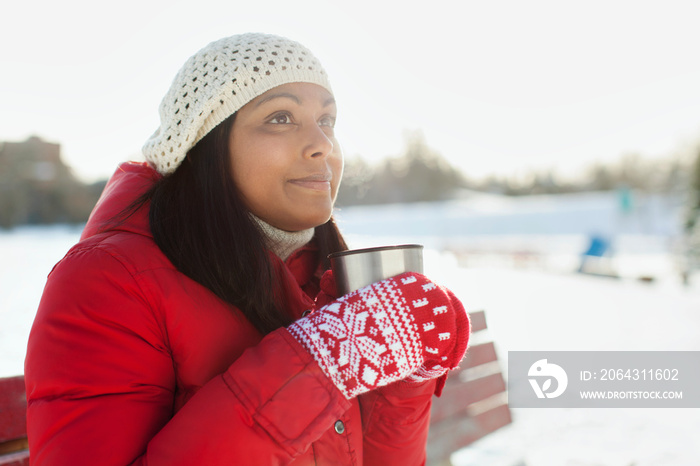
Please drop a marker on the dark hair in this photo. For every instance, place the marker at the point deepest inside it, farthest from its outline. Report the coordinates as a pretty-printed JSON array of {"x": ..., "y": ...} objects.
[{"x": 201, "y": 224}]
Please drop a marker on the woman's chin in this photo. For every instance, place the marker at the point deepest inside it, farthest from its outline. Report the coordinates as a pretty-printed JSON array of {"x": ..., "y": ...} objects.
[{"x": 306, "y": 222}]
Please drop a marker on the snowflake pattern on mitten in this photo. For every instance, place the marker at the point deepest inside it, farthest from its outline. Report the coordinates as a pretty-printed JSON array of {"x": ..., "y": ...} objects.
[{"x": 381, "y": 333}]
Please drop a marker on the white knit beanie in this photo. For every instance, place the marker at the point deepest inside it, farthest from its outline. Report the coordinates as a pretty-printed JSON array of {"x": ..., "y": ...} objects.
[{"x": 216, "y": 82}]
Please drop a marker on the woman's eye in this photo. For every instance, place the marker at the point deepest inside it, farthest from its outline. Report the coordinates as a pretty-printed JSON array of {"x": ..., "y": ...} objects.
[
  {"x": 281, "y": 119},
  {"x": 327, "y": 121}
]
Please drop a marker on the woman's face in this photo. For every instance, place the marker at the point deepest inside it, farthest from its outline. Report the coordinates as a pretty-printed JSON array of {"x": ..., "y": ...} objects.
[{"x": 285, "y": 159}]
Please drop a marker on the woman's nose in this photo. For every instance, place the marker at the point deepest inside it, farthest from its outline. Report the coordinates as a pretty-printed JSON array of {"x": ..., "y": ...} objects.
[{"x": 318, "y": 143}]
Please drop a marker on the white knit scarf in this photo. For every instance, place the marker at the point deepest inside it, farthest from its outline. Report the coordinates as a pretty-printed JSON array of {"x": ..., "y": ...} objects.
[{"x": 283, "y": 243}]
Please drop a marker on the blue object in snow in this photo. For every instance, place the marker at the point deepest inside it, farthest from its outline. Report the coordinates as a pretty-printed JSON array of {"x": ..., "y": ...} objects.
[{"x": 598, "y": 247}]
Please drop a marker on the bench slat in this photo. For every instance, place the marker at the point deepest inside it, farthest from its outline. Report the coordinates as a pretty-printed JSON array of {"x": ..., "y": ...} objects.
[
  {"x": 13, "y": 446},
  {"x": 15, "y": 459},
  {"x": 13, "y": 422},
  {"x": 477, "y": 320},
  {"x": 451, "y": 435},
  {"x": 13, "y": 409},
  {"x": 456, "y": 399},
  {"x": 479, "y": 354}
]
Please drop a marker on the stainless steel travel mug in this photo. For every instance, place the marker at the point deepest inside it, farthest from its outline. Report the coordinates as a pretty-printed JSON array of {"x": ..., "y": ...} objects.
[{"x": 358, "y": 268}]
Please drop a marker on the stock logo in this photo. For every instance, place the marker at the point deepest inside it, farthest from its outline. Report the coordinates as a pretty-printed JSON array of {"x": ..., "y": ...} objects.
[{"x": 544, "y": 371}]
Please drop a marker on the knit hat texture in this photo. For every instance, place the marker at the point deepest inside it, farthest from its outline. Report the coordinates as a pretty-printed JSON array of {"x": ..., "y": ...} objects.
[{"x": 217, "y": 81}]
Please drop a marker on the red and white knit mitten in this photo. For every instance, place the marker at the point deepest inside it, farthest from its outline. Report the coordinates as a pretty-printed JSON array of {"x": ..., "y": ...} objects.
[
  {"x": 390, "y": 330},
  {"x": 435, "y": 367}
]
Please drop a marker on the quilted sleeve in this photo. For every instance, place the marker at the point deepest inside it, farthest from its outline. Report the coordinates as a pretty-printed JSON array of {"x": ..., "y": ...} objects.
[
  {"x": 395, "y": 420},
  {"x": 100, "y": 383}
]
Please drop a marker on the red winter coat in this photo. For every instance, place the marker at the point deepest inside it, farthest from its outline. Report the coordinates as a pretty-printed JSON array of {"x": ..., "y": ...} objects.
[{"x": 131, "y": 362}]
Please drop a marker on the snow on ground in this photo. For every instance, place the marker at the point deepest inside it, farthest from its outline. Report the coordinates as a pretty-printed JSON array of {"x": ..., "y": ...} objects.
[
  {"x": 531, "y": 310},
  {"x": 26, "y": 258}
]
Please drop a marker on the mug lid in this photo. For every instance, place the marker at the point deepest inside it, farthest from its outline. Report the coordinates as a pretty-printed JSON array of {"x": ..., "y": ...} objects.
[{"x": 374, "y": 249}]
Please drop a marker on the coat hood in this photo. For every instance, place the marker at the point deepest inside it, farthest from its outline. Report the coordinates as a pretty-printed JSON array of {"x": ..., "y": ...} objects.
[{"x": 129, "y": 181}]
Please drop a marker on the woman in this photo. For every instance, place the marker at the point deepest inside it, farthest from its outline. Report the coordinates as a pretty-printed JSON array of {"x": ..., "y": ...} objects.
[{"x": 193, "y": 323}]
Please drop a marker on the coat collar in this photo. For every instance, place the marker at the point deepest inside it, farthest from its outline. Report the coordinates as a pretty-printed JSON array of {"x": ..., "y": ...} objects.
[{"x": 130, "y": 181}]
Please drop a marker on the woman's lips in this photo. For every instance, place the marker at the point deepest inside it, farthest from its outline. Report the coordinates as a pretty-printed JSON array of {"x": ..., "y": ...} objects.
[{"x": 315, "y": 182}]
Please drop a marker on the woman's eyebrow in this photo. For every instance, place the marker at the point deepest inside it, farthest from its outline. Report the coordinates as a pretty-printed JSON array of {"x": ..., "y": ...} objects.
[
  {"x": 279, "y": 96},
  {"x": 287, "y": 95}
]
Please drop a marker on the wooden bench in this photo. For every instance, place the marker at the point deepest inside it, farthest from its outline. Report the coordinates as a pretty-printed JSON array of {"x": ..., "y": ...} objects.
[
  {"x": 473, "y": 402},
  {"x": 13, "y": 422}
]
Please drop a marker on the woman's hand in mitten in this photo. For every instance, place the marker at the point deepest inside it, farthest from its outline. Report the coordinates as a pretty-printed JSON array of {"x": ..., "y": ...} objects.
[
  {"x": 435, "y": 367},
  {"x": 386, "y": 332}
]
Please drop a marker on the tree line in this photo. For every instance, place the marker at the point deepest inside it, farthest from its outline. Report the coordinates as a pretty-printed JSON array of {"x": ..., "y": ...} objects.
[
  {"x": 420, "y": 174},
  {"x": 37, "y": 188}
]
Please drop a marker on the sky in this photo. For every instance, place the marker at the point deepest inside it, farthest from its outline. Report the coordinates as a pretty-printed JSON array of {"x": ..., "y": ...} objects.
[{"x": 496, "y": 87}]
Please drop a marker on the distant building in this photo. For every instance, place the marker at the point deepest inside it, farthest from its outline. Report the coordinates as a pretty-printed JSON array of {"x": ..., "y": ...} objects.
[
  {"x": 36, "y": 187},
  {"x": 34, "y": 160}
]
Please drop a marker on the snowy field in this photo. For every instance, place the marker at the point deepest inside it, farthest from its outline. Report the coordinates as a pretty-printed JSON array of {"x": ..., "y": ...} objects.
[{"x": 517, "y": 260}]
